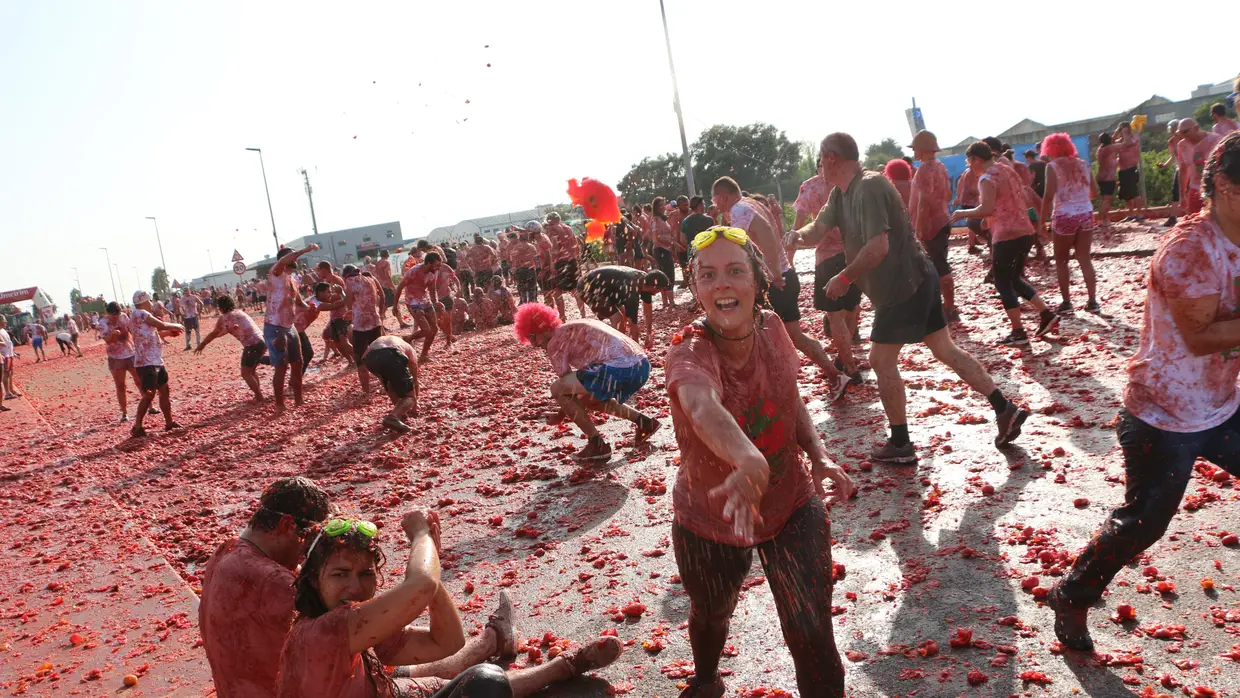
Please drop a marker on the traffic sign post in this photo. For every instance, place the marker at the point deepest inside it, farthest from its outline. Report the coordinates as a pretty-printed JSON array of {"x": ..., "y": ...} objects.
[
  {"x": 238, "y": 268},
  {"x": 237, "y": 256}
]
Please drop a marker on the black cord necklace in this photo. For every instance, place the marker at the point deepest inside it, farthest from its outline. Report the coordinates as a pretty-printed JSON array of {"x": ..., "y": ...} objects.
[{"x": 714, "y": 333}]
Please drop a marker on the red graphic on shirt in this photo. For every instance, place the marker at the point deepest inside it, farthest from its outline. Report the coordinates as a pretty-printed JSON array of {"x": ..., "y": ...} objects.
[{"x": 767, "y": 430}]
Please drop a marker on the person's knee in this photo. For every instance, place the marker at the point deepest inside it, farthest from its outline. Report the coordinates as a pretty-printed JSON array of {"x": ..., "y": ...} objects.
[{"x": 483, "y": 681}]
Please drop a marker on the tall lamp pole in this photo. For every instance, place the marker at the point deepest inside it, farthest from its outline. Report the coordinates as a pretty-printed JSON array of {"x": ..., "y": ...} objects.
[
  {"x": 266, "y": 189},
  {"x": 161, "y": 244},
  {"x": 110, "y": 277},
  {"x": 118, "y": 279},
  {"x": 680, "y": 119}
]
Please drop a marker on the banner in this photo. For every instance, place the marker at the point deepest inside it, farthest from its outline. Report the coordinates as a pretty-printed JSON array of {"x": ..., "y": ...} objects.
[{"x": 21, "y": 294}]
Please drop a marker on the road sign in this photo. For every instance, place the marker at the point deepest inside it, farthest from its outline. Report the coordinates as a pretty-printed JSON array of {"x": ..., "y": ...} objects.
[
  {"x": 237, "y": 256},
  {"x": 238, "y": 268}
]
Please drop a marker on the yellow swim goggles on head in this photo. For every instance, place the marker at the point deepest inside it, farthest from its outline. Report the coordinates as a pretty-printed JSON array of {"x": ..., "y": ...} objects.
[{"x": 707, "y": 237}]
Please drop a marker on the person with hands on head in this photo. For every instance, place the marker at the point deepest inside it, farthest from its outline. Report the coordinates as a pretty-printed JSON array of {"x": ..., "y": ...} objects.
[
  {"x": 147, "y": 330},
  {"x": 887, "y": 264},
  {"x": 741, "y": 427},
  {"x": 364, "y": 297},
  {"x": 283, "y": 300},
  {"x": 754, "y": 218}
]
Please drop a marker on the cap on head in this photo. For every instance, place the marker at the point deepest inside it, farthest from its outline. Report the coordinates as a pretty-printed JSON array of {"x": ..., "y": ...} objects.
[
  {"x": 140, "y": 297},
  {"x": 553, "y": 217},
  {"x": 924, "y": 141},
  {"x": 349, "y": 271}
]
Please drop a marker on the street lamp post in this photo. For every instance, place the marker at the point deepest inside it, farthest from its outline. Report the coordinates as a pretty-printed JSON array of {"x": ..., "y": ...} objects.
[
  {"x": 161, "y": 244},
  {"x": 210, "y": 264},
  {"x": 136, "y": 277},
  {"x": 118, "y": 279},
  {"x": 680, "y": 119},
  {"x": 110, "y": 277},
  {"x": 268, "y": 190}
]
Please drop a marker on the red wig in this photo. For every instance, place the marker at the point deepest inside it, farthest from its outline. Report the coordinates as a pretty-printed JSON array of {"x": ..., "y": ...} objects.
[
  {"x": 898, "y": 170},
  {"x": 1058, "y": 145},
  {"x": 532, "y": 319}
]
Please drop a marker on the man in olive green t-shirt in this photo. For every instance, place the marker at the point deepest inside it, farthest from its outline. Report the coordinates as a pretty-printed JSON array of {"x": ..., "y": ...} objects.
[{"x": 890, "y": 267}]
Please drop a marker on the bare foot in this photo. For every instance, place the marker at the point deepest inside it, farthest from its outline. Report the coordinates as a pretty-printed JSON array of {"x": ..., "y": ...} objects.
[{"x": 279, "y": 409}]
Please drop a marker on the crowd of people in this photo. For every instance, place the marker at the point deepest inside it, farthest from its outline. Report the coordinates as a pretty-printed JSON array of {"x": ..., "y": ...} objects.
[{"x": 291, "y": 607}]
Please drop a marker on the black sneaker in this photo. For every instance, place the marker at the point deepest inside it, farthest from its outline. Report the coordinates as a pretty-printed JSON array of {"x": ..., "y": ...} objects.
[
  {"x": 1065, "y": 308},
  {"x": 1170, "y": 222},
  {"x": 891, "y": 453},
  {"x": 1093, "y": 307},
  {"x": 952, "y": 316},
  {"x": 1015, "y": 339},
  {"x": 1046, "y": 325},
  {"x": 1071, "y": 624},
  {"x": 974, "y": 249},
  {"x": 1009, "y": 421}
]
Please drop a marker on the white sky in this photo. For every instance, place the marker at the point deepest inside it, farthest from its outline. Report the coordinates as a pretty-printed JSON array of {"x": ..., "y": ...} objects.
[{"x": 113, "y": 111}]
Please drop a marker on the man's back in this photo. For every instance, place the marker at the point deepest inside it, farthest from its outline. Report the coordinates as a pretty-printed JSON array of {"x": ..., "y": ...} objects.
[{"x": 244, "y": 615}]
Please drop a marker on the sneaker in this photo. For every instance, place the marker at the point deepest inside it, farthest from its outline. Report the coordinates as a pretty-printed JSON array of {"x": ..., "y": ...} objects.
[
  {"x": 853, "y": 378},
  {"x": 952, "y": 316},
  {"x": 187, "y": 347},
  {"x": 645, "y": 429},
  {"x": 1093, "y": 307},
  {"x": 1046, "y": 325},
  {"x": 1065, "y": 308},
  {"x": 1071, "y": 624},
  {"x": 394, "y": 423},
  {"x": 840, "y": 386},
  {"x": 891, "y": 453},
  {"x": 505, "y": 630},
  {"x": 596, "y": 449},
  {"x": 124, "y": 418},
  {"x": 1009, "y": 421},
  {"x": 11, "y": 396},
  {"x": 974, "y": 249},
  {"x": 1015, "y": 338},
  {"x": 1170, "y": 222},
  {"x": 153, "y": 410}
]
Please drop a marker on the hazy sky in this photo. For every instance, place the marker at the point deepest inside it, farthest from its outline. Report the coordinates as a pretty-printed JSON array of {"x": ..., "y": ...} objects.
[{"x": 114, "y": 111}]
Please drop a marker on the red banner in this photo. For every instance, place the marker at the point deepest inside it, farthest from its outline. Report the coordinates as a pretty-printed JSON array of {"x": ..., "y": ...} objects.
[{"x": 21, "y": 294}]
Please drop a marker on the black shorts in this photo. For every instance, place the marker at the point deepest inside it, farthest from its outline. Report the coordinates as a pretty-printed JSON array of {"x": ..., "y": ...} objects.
[
  {"x": 823, "y": 273},
  {"x": 362, "y": 339},
  {"x": 505, "y": 268},
  {"x": 336, "y": 329},
  {"x": 936, "y": 249},
  {"x": 447, "y": 303},
  {"x": 1129, "y": 184},
  {"x": 483, "y": 278},
  {"x": 974, "y": 224},
  {"x": 683, "y": 258},
  {"x": 191, "y": 323},
  {"x": 566, "y": 274},
  {"x": 392, "y": 367},
  {"x": 912, "y": 320},
  {"x": 665, "y": 262},
  {"x": 784, "y": 302},
  {"x": 307, "y": 351},
  {"x": 466, "y": 276},
  {"x": 1106, "y": 188},
  {"x": 1175, "y": 186},
  {"x": 389, "y": 297},
  {"x": 251, "y": 355},
  {"x": 152, "y": 377}
]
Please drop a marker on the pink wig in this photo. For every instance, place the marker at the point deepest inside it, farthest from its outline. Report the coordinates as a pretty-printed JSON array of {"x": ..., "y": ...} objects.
[
  {"x": 532, "y": 319},
  {"x": 898, "y": 170},
  {"x": 1058, "y": 145}
]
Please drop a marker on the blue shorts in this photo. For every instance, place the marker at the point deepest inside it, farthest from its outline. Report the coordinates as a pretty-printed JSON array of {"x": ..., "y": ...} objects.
[
  {"x": 36, "y": 342},
  {"x": 282, "y": 344},
  {"x": 608, "y": 382}
]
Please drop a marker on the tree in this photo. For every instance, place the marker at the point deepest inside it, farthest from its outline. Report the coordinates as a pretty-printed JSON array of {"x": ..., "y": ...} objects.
[
  {"x": 878, "y": 154},
  {"x": 159, "y": 282},
  {"x": 807, "y": 166},
  {"x": 663, "y": 175},
  {"x": 753, "y": 155},
  {"x": 75, "y": 298}
]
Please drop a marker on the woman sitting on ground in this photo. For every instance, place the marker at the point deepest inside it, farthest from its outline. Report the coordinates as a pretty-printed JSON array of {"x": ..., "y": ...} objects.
[{"x": 345, "y": 634}]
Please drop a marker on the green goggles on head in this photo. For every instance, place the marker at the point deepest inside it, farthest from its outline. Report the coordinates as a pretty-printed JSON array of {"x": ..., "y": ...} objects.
[{"x": 339, "y": 527}]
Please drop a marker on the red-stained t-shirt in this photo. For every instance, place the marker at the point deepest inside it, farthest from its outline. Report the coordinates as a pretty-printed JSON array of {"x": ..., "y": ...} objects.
[
  {"x": 280, "y": 305},
  {"x": 1108, "y": 162},
  {"x": 316, "y": 661},
  {"x": 121, "y": 348},
  {"x": 811, "y": 198},
  {"x": 244, "y": 615},
  {"x": 365, "y": 294},
  {"x": 581, "y": 343},
  {"x": 1168, "y": 387},
  {"x": 932, "y": 190},
  {"x": 966, "y": 189},
  {"x": 1010, "y": 219},
  {"x": 763, "y": 398},
  {"x": 240, "y": 325},
  {"x": 383, "y": 273}
]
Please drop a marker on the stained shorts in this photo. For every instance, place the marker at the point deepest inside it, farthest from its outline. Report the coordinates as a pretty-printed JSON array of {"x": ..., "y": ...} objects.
[
  {"x": 391, "y": 366},
  {"x": 282, "y": 344}
]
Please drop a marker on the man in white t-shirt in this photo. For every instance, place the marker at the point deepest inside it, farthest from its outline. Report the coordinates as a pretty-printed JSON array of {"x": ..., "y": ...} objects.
[
  {"x": 6, "y": 361},
  {"x": 1181, "y": 401}
]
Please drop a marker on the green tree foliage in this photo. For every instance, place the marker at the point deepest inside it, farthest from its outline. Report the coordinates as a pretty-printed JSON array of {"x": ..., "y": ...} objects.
[
  {"x": 807, "y": 166},
  {"x": 1157, "y": 180},
  {"x": 75, "y": 297},
  {"x": 9, "y": 309},
  {"x": 877, "y": 154},
  {"x": 663, "y": 175},
  {"x": 753, "y": 155},
  {"x": 159, "y": 282}
]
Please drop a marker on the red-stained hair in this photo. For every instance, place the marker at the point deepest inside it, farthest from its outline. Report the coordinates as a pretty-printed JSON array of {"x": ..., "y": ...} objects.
[
  {"x": 532, "y": 319},
  {"x": 898, "y": 170},
  {"x": 1058, "y": 145}
]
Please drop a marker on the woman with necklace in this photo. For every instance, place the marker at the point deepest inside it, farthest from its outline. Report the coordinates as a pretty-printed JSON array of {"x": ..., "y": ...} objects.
[{"x": 741, "y": 427}]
